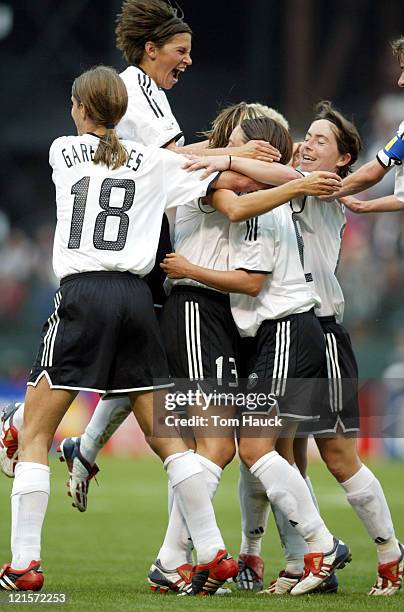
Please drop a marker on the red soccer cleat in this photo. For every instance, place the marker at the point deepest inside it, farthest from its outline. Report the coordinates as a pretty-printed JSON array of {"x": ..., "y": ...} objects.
[
  {"x": 30, "y": 579},
  {"x": 209, "y": 577},
  {"x": 389, "y": 577},
  {"x": 250, "y": 573}
]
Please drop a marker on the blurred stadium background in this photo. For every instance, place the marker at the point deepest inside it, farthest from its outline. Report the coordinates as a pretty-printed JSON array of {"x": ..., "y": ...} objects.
[{"x": 284, "y": 53}]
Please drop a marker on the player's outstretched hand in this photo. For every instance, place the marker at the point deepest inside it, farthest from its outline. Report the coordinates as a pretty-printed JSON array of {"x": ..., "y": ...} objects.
[
  {"x": 176, "y": 266},
  {"x": 211, "y": 163},
  {"x": 257, "y": 149},
  {"x": 354, "y": 204},
  {"x": 322, "y": 184}
]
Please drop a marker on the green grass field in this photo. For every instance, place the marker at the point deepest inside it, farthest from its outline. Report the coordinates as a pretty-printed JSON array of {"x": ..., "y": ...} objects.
[{"x": 100, "y": 559}]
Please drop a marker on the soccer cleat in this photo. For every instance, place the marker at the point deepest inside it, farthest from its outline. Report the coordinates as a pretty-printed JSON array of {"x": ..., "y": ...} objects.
[
  {"x": 282, "y": 585},
  {"x": 389, "y": 577},
  {"x": 30, "y": 579},
  {"x": 318, "y": 567},
  {"x": 8, "y": 441},
  {"x": 162, "y": 580},
  {"x": 250, "y": 573},
  {"x": 328, "y": 587},
  {"x": 80, "y": 472},
  {"x": 209, "y": 577}
]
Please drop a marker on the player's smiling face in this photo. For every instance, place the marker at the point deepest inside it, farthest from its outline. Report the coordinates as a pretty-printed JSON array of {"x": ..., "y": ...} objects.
[
  {"x": 170, "y": 60},
  {"x": 319, "y": 151},
  {"x": 401, "y": 77}
]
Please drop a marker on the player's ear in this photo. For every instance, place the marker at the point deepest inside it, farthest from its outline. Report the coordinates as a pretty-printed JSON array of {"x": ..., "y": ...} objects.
[
  {"x": 82, "y": 110},
  {"x": 344, "y": 160},
  {"x": 150, "y": 50}
]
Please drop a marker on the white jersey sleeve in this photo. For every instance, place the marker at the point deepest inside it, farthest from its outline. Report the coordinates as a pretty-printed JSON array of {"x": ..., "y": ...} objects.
[
  {"x": 182, "y": 187},
  {"x": 148, "y": 119}
]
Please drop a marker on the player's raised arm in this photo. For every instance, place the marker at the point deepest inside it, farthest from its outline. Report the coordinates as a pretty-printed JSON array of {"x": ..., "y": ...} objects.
[
  {"x": 385, "y": 204},
  {"x": 269, "y": 174},
  {"x": 239, "y": 208}
]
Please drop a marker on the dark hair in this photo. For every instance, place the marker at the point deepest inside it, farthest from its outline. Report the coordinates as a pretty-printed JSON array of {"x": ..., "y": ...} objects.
[
  {"x": 103, "y": 94},
  {"x": 265, "y": 128},
  {"x": 398, "y": 47},
  {"x": 141, "y": 21},
  {"x": 345, "y": 132}
]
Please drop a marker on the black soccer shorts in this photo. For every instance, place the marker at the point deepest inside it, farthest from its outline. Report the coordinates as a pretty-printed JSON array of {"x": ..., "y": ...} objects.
[
  {"x": 102, "y": 336},
  {"x": 287, "y": 367},
  {"x": 339, "y": 406}
]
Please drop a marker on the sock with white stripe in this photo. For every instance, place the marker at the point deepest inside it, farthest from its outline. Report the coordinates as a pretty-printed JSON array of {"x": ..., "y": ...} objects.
[
  {"x": 108, "y": 415},
  {"x": 177, "y": 546},
  {"x": 254, "y": 507},
  {"x": 29, "y": 500},
  {"x": 365, "y": 494},
  {"x": 287, "y": 491},
  {"x": 191, "y": 494}
]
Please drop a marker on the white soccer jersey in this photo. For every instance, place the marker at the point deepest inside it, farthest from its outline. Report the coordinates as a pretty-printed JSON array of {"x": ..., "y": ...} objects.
[
  {"x": 202, "y": 236},
  {"x": 148, "y": 119},
  {"x": 271, "y": 243},
  {"x": 111, "y": 219},
  {"x": 399, "y": 180},
  {"x": 322, "y": 225}
]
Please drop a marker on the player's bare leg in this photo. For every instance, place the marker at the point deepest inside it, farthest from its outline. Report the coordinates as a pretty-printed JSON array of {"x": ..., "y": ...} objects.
[
  {"x": 44, "y": 409},
  {"x": 365, "y": 494}
]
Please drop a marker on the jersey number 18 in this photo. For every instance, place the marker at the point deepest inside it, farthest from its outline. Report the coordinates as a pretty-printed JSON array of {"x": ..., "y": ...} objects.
[{"x": 80, "y": 192}]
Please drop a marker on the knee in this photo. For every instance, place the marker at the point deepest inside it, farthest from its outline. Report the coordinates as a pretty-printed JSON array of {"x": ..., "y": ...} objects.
[
  {"x": 247, "y": 453},
  {"x": 221, "y": 453},
  {"x": 340, "y": 465}
]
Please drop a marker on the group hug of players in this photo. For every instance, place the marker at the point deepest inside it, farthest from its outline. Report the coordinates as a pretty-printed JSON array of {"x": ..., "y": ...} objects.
[{"x": 256, "y": 223}]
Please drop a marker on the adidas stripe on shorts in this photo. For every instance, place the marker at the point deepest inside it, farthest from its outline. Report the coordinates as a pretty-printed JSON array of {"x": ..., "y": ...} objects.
[
  {"x": 288, "y": 364},
  {"x": 102, "y": 336}
]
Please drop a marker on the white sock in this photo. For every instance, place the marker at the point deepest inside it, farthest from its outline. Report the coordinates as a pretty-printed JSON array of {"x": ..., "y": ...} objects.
[
  {"x": 212, "y": 472},
  {"x": 294, "y": 546},
  {"x": 254, "y": 507},
  {"x": 18, "y": 417},
  {"x": 365, "y": 494},
  {"x": 178, "y": 546},
  {"x": 107, "y": 417},
  {"x": 170, "y": 497},
  {"x": 287, "y": 491},
  {"x": 173, "y": 551},
  {"x": 29, "y": 500},
  {"x": 191, "y": 493},
  {"x": 310, "y": 487}
]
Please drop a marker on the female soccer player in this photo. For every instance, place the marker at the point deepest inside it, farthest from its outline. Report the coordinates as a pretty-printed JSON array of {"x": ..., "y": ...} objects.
[
  {"x": 332, "y": 143},
  {"x": 156, "y": 43},
  {"x": 110, "y": 198}
]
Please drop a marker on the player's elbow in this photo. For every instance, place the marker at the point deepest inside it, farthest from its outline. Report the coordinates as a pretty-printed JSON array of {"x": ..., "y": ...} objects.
[
  {"x": 234, "y": 214},
  {"x": 253, "y": 285}
]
